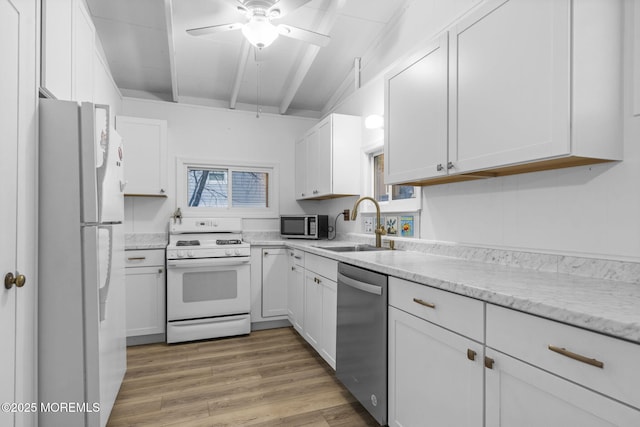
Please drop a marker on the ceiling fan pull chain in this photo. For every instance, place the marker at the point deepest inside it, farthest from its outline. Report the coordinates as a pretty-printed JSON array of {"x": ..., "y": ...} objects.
[{"x": 257, "y": 84}]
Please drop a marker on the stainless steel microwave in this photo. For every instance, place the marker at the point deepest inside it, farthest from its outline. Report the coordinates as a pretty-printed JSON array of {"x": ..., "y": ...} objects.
[{"x": 304, "y": 226}]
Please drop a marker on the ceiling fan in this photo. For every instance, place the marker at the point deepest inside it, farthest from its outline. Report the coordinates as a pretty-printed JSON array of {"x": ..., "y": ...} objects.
[{"x": 259, "y": 30}]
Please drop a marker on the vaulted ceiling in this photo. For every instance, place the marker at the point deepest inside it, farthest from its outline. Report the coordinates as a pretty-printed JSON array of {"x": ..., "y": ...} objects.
[{"x": 150, "y": 53}]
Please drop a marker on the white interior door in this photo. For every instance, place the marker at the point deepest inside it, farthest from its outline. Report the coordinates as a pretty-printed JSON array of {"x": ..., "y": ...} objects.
[
  {"x": 18, "y": 207},
  {"x": 9, "y": 51}
]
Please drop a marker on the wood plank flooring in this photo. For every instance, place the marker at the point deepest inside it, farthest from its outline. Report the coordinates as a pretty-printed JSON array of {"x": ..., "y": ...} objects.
[{"x": 268, "y": 378}]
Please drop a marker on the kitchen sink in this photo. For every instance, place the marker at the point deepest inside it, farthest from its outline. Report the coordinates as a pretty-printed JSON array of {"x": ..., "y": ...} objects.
[{"x": 352, "y": 248}]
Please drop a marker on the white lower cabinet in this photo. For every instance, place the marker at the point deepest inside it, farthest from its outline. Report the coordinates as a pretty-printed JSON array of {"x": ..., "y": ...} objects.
[
  {"x": 312, "y": 310},
  {"x": 435, "y": 375},
  {"x": 145, "y": 289},
  {"x": 317, "y": 319},
  {"x": 578, "y": 377},
  {"x": 274, "y": 282},
  {"x": 295, "y": 290},
  {"x": 521, "y": 395},
  {"x": 449, "y": 364}
]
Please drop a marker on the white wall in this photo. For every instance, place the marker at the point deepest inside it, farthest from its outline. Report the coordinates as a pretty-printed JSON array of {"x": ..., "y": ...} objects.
[
  {"x": 217, "y": 134},
  {"x": 592, "y": 211}
]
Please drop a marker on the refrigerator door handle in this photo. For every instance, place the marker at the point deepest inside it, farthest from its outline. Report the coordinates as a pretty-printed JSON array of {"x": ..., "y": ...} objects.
[{"x": 103, "y": 290}]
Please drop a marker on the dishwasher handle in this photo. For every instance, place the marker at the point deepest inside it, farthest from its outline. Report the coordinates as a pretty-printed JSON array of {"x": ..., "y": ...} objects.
[{"x": 362, "y": 286}]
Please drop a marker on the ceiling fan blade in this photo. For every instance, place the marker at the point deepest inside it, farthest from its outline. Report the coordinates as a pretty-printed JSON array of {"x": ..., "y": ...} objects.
[
  {"x": 286, "y": 6},
  {"x": 205, "y": 31},
  {"x": 312, "y": 37}
]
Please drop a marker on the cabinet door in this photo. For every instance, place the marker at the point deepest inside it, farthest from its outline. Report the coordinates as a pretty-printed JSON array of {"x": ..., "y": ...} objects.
[
  {"x": 301, "y": 169},
  {"x": 295, "y": 297},
  {"x": 521, "y": 395},
  {"x": 56, "y": 77},
  {"x": 274, "y": 282},
  {"x": 329, "y": 321},
  {"x": 83, "y": 53},
  {"x": 145, "y": 300},
  {"x": 312, "y": 163},
  {"x": 324, "y": 159},
  {"x": 416, "y": 119},
  {"x": 432, "y": 379},
  {"x": 312, "y": 310},
  {"x": 145, "y": 155},
  {"x": 509, "y": 82}
]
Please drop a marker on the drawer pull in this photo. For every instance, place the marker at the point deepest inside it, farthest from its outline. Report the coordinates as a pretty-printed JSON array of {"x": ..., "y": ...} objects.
[
  {"x": 575, "y": 356},
  {"x": 426, "y": 304},
  {"x": 471, "y": 355},
  {"x": 297, "y": 257},
  {"x": 137, "y": 258},
  {"x": 488, "y": 362}
]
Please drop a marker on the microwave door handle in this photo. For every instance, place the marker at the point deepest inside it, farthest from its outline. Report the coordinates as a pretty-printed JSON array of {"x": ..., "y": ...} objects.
[{"x": 306, "y": 226}]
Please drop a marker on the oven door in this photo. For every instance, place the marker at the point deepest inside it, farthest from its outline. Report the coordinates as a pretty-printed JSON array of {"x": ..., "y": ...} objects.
[{"x": 198, "y": 288}]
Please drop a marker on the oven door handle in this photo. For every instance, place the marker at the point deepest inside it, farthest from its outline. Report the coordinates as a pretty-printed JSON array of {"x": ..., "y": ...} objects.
[{"x": 208, "y": 262}]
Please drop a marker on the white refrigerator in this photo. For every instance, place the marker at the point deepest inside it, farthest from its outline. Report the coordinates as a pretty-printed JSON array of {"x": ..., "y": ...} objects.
[{"x": 81, "y": 294}]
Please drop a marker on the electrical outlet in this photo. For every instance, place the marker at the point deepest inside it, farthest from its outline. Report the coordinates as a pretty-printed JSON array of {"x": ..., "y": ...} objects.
[{"x": 345, "y": 214}]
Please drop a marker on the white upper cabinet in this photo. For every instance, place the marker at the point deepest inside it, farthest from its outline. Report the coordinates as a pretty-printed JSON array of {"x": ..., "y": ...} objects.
[
  {"x": 145, "y": 155},
  {"x": 326, "y": 157},
  {"x": 532, "y": 85},
  {"x": 416, "y": 119},
  {"x": 68, "y": 47},
  {"x": 84, "y": 36}
]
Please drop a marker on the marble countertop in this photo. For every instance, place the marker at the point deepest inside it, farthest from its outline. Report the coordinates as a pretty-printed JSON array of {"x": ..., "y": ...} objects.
[
  {"x": 602, "y": 305},
  {"x": 134, "y": 241}
]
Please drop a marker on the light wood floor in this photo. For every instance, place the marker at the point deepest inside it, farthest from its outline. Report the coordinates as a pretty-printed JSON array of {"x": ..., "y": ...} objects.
[{"x": 268, "y": 378}]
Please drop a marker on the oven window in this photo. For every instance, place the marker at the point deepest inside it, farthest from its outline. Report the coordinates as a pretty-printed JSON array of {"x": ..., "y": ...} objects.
[{"x": 209, "y": 286}]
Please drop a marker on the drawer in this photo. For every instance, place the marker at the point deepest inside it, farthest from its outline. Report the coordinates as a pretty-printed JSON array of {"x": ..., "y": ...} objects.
[
  {"x": 323, "y": 266},
  {"x": 144, "y": 258},
  {"x": 528, "y": 338},
  {"x": 297, "y": 256},
  {"x": 457, "y": 313}
]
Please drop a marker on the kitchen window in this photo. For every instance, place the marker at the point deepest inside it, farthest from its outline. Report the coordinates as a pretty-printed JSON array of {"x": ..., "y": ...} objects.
[
  {"x": 233, "y": 188},
  {"x": 392, "y": 198},
  {"x": 388, "y": 193}
]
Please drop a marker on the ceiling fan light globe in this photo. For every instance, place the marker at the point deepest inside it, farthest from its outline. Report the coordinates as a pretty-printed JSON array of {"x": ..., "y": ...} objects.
[{"x": 260, "y": 32}]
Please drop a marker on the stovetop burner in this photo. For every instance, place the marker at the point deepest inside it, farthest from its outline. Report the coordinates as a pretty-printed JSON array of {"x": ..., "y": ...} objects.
[
  {"x": 228, "y": 241},
  {"x": 188, "y": 243}
]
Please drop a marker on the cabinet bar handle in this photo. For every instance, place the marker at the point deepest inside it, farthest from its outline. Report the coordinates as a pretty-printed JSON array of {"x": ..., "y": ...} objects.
[
  {"x": 488, "y": 362},
  {"x": 426, "y": 304},
  {"x": 137, "y": 258},
  {"x": 297, "y": 257},
  {"x": 471, "y": 355},
  {"x": 576, "y": 356}
]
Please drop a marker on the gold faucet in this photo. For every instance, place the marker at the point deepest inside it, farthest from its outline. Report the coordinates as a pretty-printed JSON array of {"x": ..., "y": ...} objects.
[{"x": 379, "y": 229}]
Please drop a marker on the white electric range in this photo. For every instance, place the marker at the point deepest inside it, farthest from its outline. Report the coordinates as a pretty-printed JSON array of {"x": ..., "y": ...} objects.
[{"x": 208, "y": 279}]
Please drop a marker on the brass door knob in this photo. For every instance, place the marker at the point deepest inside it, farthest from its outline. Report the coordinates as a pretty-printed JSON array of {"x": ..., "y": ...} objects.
[{"x": 10, "y": 280}]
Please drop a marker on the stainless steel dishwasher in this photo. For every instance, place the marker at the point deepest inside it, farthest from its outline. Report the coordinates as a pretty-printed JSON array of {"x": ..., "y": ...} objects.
[{"x": 361, "y": 345}]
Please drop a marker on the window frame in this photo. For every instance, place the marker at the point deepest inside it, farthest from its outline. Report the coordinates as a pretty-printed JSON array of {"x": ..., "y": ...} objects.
[
  {"x": 273, "y": 190},
  {"x": 402, "y": 205}
]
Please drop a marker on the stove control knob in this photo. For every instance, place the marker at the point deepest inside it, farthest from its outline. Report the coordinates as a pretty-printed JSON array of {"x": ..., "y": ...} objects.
[
  {"x": 237, "y": 252},
  {"x": 180, "y": 254},
  {"x": 228, "y": 252},
  {"x": 190, "y": 254}
]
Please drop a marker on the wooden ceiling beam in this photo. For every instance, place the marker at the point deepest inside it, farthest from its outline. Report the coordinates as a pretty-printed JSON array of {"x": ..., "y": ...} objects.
[
  {"x": 310, "y": 54},
  {"x": 242, "y": 66},
  {"x": 168, "y": 13}
]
